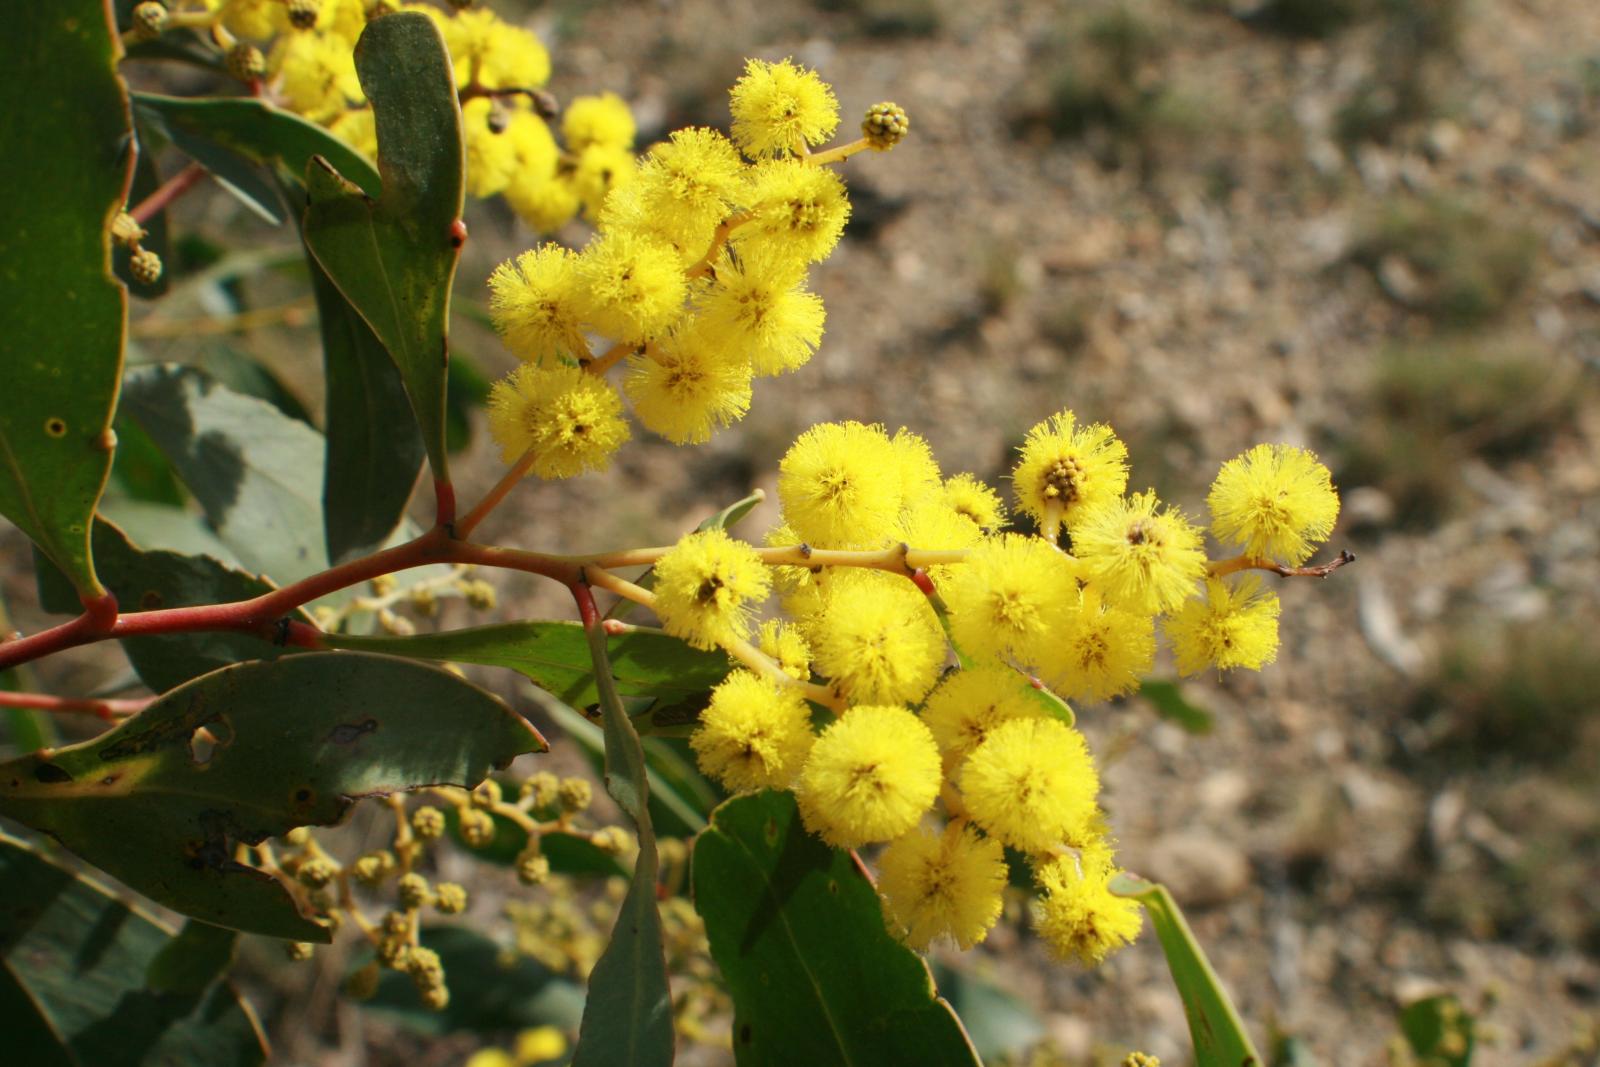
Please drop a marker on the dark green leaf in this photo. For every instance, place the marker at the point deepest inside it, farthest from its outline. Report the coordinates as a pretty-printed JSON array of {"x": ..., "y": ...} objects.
[
  {"x": 199, "y": 955},
  {"x": 73, "y": 961},
  {"x": 374, "y": 447},
  {"x": 1439, "y": 1030},
  {"x": 65, "y": 170},
  {"x": 1217, "y": 1032},
  {"x": 491, "y": 991},
  {"x": 555, "y": 657},
  {"x": 797, "y": 931},
  {"x": 296, "y": 742},
  {"x": 245, "y": 375},
  {"x": 255, "y": 471},
  {"x": 1000, "y": 1025},
  {"x": 254, "y": 131},
  {"x": 1170, "y": 703},
  {"x": 627, "y": 1017},
  {"x": 144, "y": 581},
  {"x": 394, "y": 258}
]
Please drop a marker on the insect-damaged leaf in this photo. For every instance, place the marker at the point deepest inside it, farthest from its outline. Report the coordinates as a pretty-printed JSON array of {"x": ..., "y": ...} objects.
[{"x": 250, "y": 752}]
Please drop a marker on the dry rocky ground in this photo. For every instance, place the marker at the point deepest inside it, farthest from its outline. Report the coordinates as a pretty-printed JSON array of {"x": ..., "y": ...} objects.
[{"x": 1211, "y": 227}]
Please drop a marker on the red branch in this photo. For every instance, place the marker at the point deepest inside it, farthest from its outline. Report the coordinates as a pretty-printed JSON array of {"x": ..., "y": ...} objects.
[
  {"x": 110, "y": 709},
  {"x": 588, "y": 611},
  {"x": 167, "y": 192}
]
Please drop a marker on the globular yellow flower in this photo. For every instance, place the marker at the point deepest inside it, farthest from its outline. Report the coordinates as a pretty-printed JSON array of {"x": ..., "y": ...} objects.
[
  {"x": 533, "y": 301},
  {"x": 755, "y": 734},
  {"x": 779, "y": 106},
  {"x": 257, "y": 19},
  {"x": 759, "y": 304},
  {"x": 316, "y": 75},
  {"x": 838, "y": 485},
  {"x": 545, "y": 203},
  {"x": 627, "y": 209},
  {"x": 534, "y": 145},
  {"x": 493, "y": 54},
  {"x": 870, "y": 777},
  {"x": 787, "y": 645},
  {"x": 915, "y": 468},
  {"x": 598, "y": 171},
  {"x": 707, "y": 586},
  {"x": 1009, "y": 597},
  {"x": 571, "y": 420},
  {"x": 1078, "y": 917},
  {"x": 597, "y": 120},
  {"x": 695, "y": 173},
  {"x": 801, "y": 588},
  {"x": 1275, "y": 501},
  {"x": 357, "y": 127},
  {"x": 798, "y": 209},
  {"x": 929, "y": 522},
  {"x": 1069, "y": 468},
  {"x": 1141, "y": 558},
  {"x": 1231, "y": 626},
  {"x": 630, "y": 289},
  {"x": 686, "y": 386},
  {"x": 1101, "y": 651},
  {"x": 491, "y": 152},
  {"x": 540, "y": 1043},
  {"x": 968, "y": 704},
  {"x": 877, "y": 638},
  {"x": 974, "y": 500},
  {"x": 1031, "y": 783},
  {"x": 944, "y": 885}
]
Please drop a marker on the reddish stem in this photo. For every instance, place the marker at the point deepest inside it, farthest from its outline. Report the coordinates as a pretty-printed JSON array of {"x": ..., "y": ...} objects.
[
  {"x": 444, "y": 495},
  {"x": 169, "y": 190},
  {"x": 109, "y": 710},
  {"x": 588, "y": 612}
]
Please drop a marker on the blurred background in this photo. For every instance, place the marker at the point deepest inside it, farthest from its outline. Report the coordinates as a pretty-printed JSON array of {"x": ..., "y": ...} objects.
[{"x": 1368, "y": 227}]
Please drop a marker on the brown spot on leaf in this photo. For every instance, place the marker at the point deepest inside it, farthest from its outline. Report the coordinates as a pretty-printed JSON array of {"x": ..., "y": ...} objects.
[
  {"x": 348, "y": 733},
  {"x": 50, "y": 774}
]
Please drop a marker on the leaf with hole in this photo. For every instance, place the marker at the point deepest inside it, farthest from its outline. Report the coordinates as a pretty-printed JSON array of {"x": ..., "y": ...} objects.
[
  {"x": 65, "y": 171},
  {"x": 797, "y": 931},
  {"x": 249, "y": 752},
  {"x": 394, "y": 257},
  {"x": 73, "y": 993},
  {"x": 1217, "y": 1032}
]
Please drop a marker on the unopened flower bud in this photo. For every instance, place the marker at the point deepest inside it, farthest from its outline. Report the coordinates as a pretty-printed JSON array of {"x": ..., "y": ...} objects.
[
  {"x": 425, "y": 601},
  {"x": 414, "y": 891},
  {"x": 532, "y": 867},
  {"x": 436, "y": 998},
  {"x": 885, "y": 126},
  {"x": 427, "y": 822},
  {"x": 246, "y": 62},
  {"x": 574, "y": 795},
  {"x": 316, "y": 872},
  {"x": 298, "y": 951},
  {"x": 480, "y": 594},
  {"x": 299, "y": 836},
  {"x": 149, "y": 19},
  {"x": 487, "y": 793},
  {"x": 394, "y": 951},
  {"x": 374, "y": 867},
  {"x": 477, "y": 827},
  {"x": 125, "y": 229},
  {"x": 303, "y": 13},
  {"x": 145, "y": 266},
  {"x": 450, "y": 898},
  {"x": 395, "y": 624},
  {"x": 382, "y": 585},
  {"x": 543, "y": 789},
  {"x": 612, "y": 840}
]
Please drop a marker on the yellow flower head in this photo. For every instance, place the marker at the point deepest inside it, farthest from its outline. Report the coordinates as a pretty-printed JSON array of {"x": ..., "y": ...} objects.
[
  {"x": 258, "y": 19},
  {"x": 785, "y": 644},
  {"x": 602, "y": 120},
  {"x": 1101, "y": 652},
  {"x": 800, "y": 210},
  {"x": 759, "y": 304},
  {"x": 969, "y": 704},
  {"x": 571, "y": 420},
  {"x": 1069, "y": 467},
  {"x": 533, "y": 303},
  {"x": 630, "y": 289},
  {"x": 870, "y": 777},
  {"x": 801, "y": 588},
  {"x": 494, "y": 54},
  {"x": 1231, "y": 626},
  {"x": 1275, "y": 501},
  {"x": 628, "y": 209},
  {"x": 915, "y": 467},
  {"x": 754, "y": 734},
  {"x": 357, "y": 128},
  {"x": 491, "y": 151},
  {"x": 686, "y": 386},
  {"x": 545, "y": 203},
  {"x": 838, "y": 485},
  {"x": 942, "y": 885},
  {"x": 976, "y": 501},
  {"x": 1141, "y": 559},
  {"x": 929, "y": 522},
  {"x": 1078, "y": 916},
  {"x": 1010, "y": 597},
  {"x": 316, "y": 74},
  {"x": 706, "y": 586},
  {"x": 778, "y": 106},
  {"x": 535, "y": 147},
  {"x": 695, "y": 173},
  {"x": 1031, "y": 783},
  {"x": 877, "y": 638},
  {"x": 600, "y": 170}
]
